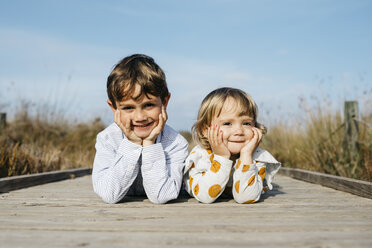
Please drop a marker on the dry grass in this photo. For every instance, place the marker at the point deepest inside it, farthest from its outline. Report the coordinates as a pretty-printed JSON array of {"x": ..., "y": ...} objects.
[
  {"x": 317, "y": 144},
  {"x": 45, "y": 141}
]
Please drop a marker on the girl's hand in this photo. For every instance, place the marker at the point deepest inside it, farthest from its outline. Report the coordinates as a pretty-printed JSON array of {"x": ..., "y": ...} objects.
[
  {"x": 126, "y": 129},
  {"x": 215, "y": 138},
  {"x": 163, "y": 117},
  {"x": 246, "y": 154}
]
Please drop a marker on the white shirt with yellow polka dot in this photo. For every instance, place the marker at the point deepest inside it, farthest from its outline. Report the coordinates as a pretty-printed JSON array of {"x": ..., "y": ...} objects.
[
  {"x": 123, "y": 168},
  {"x": 208, "y": 175}
]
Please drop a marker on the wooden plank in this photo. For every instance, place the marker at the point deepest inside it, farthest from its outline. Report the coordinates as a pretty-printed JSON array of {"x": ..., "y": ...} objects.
[
  {"x": 293, "y": 214},
  {"x": 356, "y": 187},
  {"x": 18, "y": 182}
]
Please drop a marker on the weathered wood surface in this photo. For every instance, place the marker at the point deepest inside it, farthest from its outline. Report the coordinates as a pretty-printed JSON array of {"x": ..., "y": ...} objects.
[
  {"x": 19, "y": 182},
  {"x": 356, "y": 187},
  {"x": 294, "y": 214}
]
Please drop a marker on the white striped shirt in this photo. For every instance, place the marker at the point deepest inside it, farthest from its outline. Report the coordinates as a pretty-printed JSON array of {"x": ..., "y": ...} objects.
[{"x": 123, "y": 168}]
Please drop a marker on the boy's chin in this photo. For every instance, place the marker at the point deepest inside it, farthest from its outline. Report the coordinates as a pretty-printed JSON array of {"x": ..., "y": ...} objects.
[{"x": 143, "y": 133}]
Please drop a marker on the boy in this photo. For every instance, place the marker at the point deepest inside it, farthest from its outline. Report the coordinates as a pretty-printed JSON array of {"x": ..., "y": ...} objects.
[{"x": 138, "y": 154}]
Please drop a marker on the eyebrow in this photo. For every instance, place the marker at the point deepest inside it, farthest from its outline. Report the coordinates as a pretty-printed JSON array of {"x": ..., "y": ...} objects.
[{"x": 144, "y": 102}]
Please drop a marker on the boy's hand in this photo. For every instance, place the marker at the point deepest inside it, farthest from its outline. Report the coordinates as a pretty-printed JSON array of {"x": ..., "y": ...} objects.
[
  {"x": 126, "y": 129},
  {"x": 246, "y": 154},
  {"x": 163, "y": 117},
  {"x": 215, "y": 138}
]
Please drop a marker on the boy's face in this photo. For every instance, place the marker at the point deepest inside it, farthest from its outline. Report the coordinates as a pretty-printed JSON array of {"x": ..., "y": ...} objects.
[
  {"x": 142, "y": 113},
  {"x": 237, "y": 130}
]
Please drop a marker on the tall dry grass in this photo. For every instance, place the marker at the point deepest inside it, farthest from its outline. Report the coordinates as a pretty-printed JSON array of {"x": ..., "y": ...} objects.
[
  {"x": 317, "y": 143},
  {"x": 45, "y": 141}
]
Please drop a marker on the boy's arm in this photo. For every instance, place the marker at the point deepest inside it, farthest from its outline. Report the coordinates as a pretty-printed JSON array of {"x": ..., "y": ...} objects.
[
  {"x": 114, "y": 170},
  {"x": 162, "y": 171},
  {"x": 208, "y": 184},
  {"x": 248, "y": 182}
]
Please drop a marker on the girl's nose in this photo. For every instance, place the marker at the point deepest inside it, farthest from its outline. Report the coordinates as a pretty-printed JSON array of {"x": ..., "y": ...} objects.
[{"x": 239, "y": 130}]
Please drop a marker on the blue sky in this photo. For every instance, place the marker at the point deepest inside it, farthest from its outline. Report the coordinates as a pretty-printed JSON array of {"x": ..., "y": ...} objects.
[{"x": 61, "y": 52}]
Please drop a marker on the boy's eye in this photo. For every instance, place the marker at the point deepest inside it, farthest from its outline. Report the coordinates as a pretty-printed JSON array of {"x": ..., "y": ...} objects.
[
  {"x": 148, "y": 105},
  {"x": 127, "y": 108},
  {"x": 247, "y": 123}
]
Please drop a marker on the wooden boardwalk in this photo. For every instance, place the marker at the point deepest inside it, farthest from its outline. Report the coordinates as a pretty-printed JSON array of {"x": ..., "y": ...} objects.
[{"x": 294, "y": 214}]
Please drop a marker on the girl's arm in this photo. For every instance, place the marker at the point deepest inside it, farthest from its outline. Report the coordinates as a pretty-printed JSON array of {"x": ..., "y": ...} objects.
[
  {"x": 207, "y": 176},
  {"x": 248, "y": 182},
  {"x": 114, "y": 168}
]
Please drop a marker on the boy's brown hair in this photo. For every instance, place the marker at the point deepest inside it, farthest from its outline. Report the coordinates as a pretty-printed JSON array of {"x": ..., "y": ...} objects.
[
  {"x": 136, "y": 69},
  {"x": 212, "y": 105}
]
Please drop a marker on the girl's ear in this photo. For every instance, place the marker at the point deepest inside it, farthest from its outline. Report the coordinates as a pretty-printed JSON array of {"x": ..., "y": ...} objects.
[{"x": 111, "y": 106}]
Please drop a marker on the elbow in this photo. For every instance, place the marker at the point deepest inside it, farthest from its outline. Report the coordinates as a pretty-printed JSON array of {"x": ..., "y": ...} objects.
[
  {"x": 106, "y": 197},
  {"x": 244, "y": 199},
  {"x": 247, "y": 200},
  {"x": 157, "y": 200},
  {"x": 162, "y": 200},
  {"x": 206, "y": 200},
  {"x": 110, "y": 200}
]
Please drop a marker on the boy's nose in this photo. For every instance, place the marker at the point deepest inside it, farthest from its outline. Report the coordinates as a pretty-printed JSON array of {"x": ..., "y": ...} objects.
[{"x": 139, "y": 116}]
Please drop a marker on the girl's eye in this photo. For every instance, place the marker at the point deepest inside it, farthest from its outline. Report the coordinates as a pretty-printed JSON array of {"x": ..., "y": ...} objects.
[
  {"x": 247, "y": 124},
  {"x": 226, "y": 124}
]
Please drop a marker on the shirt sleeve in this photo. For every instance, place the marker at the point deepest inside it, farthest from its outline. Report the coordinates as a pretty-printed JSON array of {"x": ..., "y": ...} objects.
[
  {"x": 207, "y": 175},
  {"x": 247, "y": 182},
  {"x": 162, "y": 171},
  {"x": 114, "y": 169}
]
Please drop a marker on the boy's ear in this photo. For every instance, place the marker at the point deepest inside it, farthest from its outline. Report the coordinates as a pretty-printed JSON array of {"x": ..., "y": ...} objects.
[
  {"x": 166, "y": 100},
  {"x": 111, "y": 106}
]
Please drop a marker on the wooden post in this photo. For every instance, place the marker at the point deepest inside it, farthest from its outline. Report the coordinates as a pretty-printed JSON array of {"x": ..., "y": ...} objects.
[
  {"x": 2, "y": 121},
  {"x": 351, "y": 126}
]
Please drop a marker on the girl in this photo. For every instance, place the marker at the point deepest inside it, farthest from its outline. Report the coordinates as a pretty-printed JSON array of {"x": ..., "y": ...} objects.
[{"x": 227, "y": 155}]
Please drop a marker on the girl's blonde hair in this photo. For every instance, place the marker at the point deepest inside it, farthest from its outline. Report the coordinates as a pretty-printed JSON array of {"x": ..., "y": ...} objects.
[{"x": 212, "y": 105}]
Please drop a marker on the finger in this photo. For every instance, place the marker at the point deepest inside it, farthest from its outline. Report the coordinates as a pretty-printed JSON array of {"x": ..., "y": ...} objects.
[
  {"x": 156, "y": 131},
  {"x": 219, "y": 135},
  {"x": 259, "y": 135},
  {"x": 116, "y": 116},
  {"x": 126, "y": 125},
  {"x": 221, "y": 138},
  {"x": 209, "y": 130},
  {"x": 164, "y": 113},
  {"x": 255, "y": 135},
  {"x": 161, "y": 121},
  {"x": 117, "y": 119},
  {"x": 215, "y": 134}
]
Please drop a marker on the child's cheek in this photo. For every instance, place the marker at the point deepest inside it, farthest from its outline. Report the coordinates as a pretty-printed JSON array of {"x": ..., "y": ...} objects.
[
  {"x": 124, "y": 118},
  {"x": 250, "y": 134}
]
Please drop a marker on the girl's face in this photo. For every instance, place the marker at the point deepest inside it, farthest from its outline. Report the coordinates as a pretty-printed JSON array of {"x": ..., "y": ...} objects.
[{"x": 237, "y": 130}]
